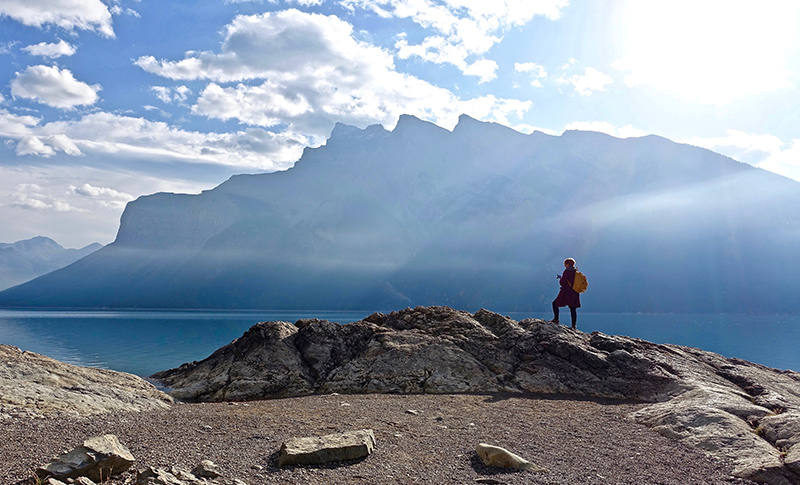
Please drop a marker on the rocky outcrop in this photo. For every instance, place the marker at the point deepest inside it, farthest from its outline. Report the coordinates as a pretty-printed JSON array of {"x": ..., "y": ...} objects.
[
  {"x": 35, "y": 385},
  {"x": 727, "y": 407}
]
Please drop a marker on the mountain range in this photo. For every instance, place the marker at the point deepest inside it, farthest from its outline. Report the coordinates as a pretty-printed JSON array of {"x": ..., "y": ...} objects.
[
  {"x": 25, "y": 260},
  {"x": 478, "y": 217}
]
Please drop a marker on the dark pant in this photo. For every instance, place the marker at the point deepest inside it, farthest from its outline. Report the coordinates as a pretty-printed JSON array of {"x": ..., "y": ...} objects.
[{"x": 573, "y": 312}]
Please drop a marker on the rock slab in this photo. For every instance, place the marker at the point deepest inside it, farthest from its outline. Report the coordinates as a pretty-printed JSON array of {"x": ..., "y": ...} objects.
[
  {"x": 35, "y": 385},
  {"x": 97, "y": 459},
  {"x": 316, "y": 450}
]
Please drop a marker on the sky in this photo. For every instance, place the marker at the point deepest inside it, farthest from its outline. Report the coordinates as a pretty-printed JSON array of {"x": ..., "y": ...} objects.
[{"x": 103, "y": 101}]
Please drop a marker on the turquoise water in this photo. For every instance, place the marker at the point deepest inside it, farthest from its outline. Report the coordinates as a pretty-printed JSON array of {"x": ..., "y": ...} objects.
[{"x": 144, "y": 342}]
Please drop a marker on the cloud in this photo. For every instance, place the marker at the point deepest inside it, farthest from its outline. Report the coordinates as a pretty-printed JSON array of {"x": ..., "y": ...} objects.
[
  {"x": 536, "y": 71},
  {"x": 761, "y": 150},
  {"x": 459, "y": 28},
  {"x": 68, "y": 14},
  {"x": 30, "y": 196},
  {"x": 589, "y": 82},
  {"x": 103, "y": 196},
  {"x": 178, "y": 94},
  {"x": 627, "y": 131},
  {"x": 710, "y": 52},
  {"x": 15, "y": 126},
  {"x": 52, "y": 51},
  {"x": 54, "y": 87},
  {"x": 129, "y": 138},
  {"x": 307, "y": 71}
]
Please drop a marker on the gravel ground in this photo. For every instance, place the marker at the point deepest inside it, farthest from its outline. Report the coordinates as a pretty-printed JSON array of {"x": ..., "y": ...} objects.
[{"x": 420, "y": 439}]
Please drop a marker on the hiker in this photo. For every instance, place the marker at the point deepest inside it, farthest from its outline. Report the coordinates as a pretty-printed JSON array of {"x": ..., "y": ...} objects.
[{"x": 567, "y": 296}]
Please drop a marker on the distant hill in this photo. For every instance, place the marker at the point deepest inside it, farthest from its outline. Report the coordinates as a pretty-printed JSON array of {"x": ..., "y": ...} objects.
[
  {"x": 25, "y": 260},
  {"x": 482, "y": 216}
]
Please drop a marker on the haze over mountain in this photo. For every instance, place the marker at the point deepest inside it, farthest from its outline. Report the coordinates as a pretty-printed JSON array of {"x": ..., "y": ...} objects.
[
  {"x": 482, "y": 216},
  {"x": 25, "y": 260}
]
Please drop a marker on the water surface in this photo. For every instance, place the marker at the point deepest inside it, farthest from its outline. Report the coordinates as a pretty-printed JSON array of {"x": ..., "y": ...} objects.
[{"x": 144, "y": 342}]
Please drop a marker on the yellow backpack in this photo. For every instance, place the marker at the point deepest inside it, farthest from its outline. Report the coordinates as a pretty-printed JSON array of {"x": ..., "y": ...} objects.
[{"x": 581, "y": 283}]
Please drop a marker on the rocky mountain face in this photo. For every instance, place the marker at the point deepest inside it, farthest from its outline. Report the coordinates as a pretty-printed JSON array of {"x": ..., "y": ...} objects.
[
  {"x": 481, "y": 216},
  {"x": 25, "y": 260},
  {"x": 36, "y": 385},
  {"x": 726, "y": 407}
]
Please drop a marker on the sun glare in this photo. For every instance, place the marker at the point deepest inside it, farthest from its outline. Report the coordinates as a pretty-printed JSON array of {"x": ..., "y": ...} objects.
[{"x": 710, "y": 51}]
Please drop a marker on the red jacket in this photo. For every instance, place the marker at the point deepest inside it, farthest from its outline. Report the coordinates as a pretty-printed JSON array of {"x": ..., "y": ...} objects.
[{"x": 567, "y": 296}]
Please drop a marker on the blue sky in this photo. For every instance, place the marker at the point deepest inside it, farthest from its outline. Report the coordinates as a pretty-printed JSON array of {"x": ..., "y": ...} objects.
[{"x": 104, "y": 101}]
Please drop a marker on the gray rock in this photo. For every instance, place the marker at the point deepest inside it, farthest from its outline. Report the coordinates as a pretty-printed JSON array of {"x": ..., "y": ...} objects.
[
  {"x": 157, "y": 476},
  {"x": 83, "y": 481},
  {"x": 99, "y": 458},
  {"x": 35, "y": 385},
  {"x": 206, "y": 469},
  {"x": 329, "y": 448},
  {"x": 726, "y": 407},
  {"x": 792, "y": 459}
]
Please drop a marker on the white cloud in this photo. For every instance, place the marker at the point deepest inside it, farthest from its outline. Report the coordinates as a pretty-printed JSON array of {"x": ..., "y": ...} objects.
[
  {"x": 712, "y": 52},
  {"x": 459, "y": 28},
  {"x": 589, "y": 82},
  {"x": 117, "y": 10},
  {"x": 8, "y": 47},
  {"x": 52, "y": 51},
  {"x": 627, "y": 131},
  {"x": 483, "y": 68},
  {"x": 54, "y": 87},
  {"x": 761, "y": 150},
  {"x": 15, "y": 126},
  {"x": 67, "y": 14},
  {"x": 103, "y": 196},
  {"x": 313, "y": 74},
  {"x": 128, "y": 138},
  {"x": 178, "y": 94},
  {"x": 31, "y": 196},
  {"x": 745, "y": 147},
  {"x": 536, "y": 71}
]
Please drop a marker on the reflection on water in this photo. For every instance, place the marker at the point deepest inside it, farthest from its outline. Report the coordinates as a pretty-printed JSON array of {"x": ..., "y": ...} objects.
[{"x": 144, "y": 342}]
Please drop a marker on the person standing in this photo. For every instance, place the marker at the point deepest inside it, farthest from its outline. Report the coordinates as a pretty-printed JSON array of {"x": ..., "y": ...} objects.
[{"x": 567, "y": 296}]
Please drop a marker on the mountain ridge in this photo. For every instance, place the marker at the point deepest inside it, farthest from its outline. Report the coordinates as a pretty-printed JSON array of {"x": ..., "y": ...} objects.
[
  {"x": 474, "y": 217},
  {"x": 27, "y": 259}
]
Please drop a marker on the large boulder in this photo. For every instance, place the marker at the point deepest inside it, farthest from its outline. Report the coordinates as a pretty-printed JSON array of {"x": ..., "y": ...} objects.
[
  {"x": 33, "y": 384},
  {"x": 727, "y": 407}
]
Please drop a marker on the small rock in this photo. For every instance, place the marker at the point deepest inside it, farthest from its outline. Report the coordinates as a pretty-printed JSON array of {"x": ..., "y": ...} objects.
[
  {"x": 206, "y": 469},
  {"x": 500, "y": 457},
  {"x": 83, "y": 481},
  {"x": 257, "y": 467},
  {"x": 412, "y": 411},
  {"x": 53, "y": 481}
]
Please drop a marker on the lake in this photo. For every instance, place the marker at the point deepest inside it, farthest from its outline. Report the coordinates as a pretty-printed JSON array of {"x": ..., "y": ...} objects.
[{"x": 143, "y": 342}]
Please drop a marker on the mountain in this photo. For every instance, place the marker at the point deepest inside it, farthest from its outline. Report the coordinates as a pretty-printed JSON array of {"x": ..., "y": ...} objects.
[
  {"x": 25, "y": 260},
  {"x": 481, "y": 216}
]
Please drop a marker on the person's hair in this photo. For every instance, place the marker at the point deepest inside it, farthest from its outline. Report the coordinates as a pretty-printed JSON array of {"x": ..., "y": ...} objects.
[{"x": 569, "y": 262}]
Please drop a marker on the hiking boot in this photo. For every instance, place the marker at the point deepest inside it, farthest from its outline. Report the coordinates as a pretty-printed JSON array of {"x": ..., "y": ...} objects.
[
  {"x": 574, "y": 327},
  {"x": 555, "y": 320}
]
